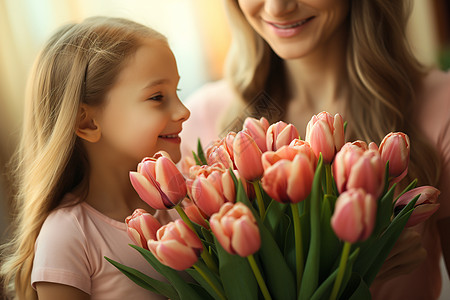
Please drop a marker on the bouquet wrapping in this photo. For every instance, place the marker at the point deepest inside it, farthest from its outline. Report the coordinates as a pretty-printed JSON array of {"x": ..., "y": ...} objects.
[{"x": 266, "y": 215}]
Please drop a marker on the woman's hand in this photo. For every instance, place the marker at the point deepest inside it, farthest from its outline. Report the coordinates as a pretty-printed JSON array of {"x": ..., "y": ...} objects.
[{"x": 406, "y": 255}]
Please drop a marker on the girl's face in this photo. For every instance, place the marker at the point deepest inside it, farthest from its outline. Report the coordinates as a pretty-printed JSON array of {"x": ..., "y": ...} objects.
[
  {"x": 295, "y": 28},
  {"x": 142, "y": 113}
]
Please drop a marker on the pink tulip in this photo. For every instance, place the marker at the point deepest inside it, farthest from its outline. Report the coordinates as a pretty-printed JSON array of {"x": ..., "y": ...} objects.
[
  {"x": 355, "y": 168},
  {"x": 158, "y": 182},
  {"x": 325, "y": 134},
  {"x": 219, "y": 154},
  {"x": 395, "y": 148},
  {"x": 194, "y": 213},
  {"x": 288, "y": 175},
  {"x": 280, "y": 134},
  {"x": 141, "y": 227},
  {"x": 247, "y": 157},
  {"x": 176, "y": 245},
  {"x": 354, "y": 215},
  {"x": 425, "y": 206},
  {"x": 257, "y": 130},
  {"x": 236, "y": 230},
  {"x": 210, "y": 187}
]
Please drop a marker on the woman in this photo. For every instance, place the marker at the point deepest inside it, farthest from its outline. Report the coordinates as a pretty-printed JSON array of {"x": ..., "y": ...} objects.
[{"x": 290, "y": 59}]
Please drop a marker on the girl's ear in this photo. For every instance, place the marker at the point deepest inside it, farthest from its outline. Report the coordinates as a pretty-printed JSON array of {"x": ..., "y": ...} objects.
[{"x": 87, "y": 128}]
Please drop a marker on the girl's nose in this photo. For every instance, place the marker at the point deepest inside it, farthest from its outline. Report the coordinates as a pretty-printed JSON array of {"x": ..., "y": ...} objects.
[
  {"x": 180, "y": 113},
  {"x": 277, "y": 8}
]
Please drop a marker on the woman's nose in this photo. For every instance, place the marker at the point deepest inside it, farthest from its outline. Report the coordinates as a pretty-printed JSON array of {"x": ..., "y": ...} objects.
[{"x": 278, "y": 8}]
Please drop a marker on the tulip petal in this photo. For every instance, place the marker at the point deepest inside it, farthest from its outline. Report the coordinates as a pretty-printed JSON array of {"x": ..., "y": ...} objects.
[
  {"x": 146, "y": 191},
  {"x": 245, "y": 239},
  {"x": 171, "y": 181},
  {"x": 176, "y": 255},
  {"x": 206, "y": 196}
]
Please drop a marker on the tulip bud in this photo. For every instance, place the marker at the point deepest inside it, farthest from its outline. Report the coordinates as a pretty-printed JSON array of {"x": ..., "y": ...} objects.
[
  {"x": 236, "y": 230},
  {"x": 158, "y": 182},
  {"x": 194, "y": 213},
  {"x": 219, "y": 154},
  {"x": 210, "y": 187},
  {"x": 247, "y": 157},
  {"x": 176, "y": 245},
  {"x": 325, "y": 134},
  {"x": 425, "y": 206},
  {"x": 289, "y": 173},
  {"x": 257, "y": 130},
  {"x": 395, "y": 148},
  {"x": 141, "y": 227},
  {"x": 280, "y": 134},
  {"x": 355, "y": 168},
  {"x": 353, "y": 219}
]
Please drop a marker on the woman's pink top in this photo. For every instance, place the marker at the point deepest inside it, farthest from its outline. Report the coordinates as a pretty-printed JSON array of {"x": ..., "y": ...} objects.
[
  {"x": 70, "y": 250},
  {"x": 433, "y": 117}
]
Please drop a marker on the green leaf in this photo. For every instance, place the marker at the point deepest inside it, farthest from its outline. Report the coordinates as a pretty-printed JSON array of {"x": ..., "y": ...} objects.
[
  {"x": 200, "y": 153},
  {"x": 274, "y": 212},
  {"x": 375, "y": 251},
  {"x": 409, "y": 187},
  {"x": 211, "y": 275},
  {"x": 204, "y": 295},
  {"x": 324, "y": 290},
  {"x": 330, "y": 246},
  {"x": 184, "y": 290},
  {"x": 384, "y": 211},
  {"x": 356, "y": 289},
  {"x": 310, "y": 279},
  {"x": 197, "y": 160},
  {"x": 237, "y": 276},
  {"x": 145, "y": 281},
  {"x": 280, "y": 280}
]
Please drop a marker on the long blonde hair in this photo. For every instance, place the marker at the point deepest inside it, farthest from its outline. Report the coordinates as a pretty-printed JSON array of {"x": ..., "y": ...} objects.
[
  {"x": 383, "y": 73},
  {"x": 79, "y": 64}
]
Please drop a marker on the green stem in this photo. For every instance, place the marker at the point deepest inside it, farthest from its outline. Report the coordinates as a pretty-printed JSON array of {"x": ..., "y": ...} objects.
[
  {"x": 259, "y": 278},
  {"x": 329, "y": 179},
  {"x": 262, "y": 209},
  {"x": 341, "y": 272},
  {"x": 218, "y": 290},
  {"x": 185, "y": 218},
  {"x": 205, "y": 253},
  {"x": 298, "y": 244}
]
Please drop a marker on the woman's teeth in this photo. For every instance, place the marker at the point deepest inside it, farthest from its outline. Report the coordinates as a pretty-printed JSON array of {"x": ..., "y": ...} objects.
[
  {"x": 171, "y": 136},
  {"x": 291, "y": 25}
]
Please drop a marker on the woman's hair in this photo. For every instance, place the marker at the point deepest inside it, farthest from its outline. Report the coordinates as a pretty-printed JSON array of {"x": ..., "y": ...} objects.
[
  {"x": 383, "y": 73},
  {"x": 79, "y": 64}
]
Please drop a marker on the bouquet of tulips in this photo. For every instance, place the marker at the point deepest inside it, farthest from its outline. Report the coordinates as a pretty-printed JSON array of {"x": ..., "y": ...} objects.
[{"x": 265, "y": 214}]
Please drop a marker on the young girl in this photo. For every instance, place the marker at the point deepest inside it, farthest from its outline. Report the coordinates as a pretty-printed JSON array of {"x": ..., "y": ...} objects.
[
  {"x": 103, "y": 95},
  {"x": 290, "y": 59}
]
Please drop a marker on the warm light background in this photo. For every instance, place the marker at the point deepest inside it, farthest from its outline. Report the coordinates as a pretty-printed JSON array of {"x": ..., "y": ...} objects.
[{"x": 196, "y": 29}]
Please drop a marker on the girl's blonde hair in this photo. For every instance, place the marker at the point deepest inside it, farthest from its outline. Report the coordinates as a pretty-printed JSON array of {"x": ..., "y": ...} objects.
[
  {"x": 383, "y": 73},
  {"x": 79, "y": 64}
]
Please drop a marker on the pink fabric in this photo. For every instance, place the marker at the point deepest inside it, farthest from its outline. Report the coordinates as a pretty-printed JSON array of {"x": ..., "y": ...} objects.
[
  {"x": 207, "y": 106},
  {"x": 433, "y": 117},
  {"x": 70, "y": 250}
]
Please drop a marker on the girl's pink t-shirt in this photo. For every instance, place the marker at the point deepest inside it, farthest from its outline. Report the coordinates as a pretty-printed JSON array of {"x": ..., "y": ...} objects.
[{"x": 71, "y": 247}]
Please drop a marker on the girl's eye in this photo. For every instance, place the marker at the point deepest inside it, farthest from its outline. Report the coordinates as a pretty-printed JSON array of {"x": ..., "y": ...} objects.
[{"x": 157, "y": 97}]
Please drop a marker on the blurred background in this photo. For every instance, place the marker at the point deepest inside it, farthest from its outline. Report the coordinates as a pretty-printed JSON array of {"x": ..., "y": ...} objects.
[{"x": 197, "y": 31}]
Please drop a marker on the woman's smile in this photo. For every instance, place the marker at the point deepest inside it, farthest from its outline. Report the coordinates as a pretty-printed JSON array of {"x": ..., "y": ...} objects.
[{"x": 289, "y": 29}]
